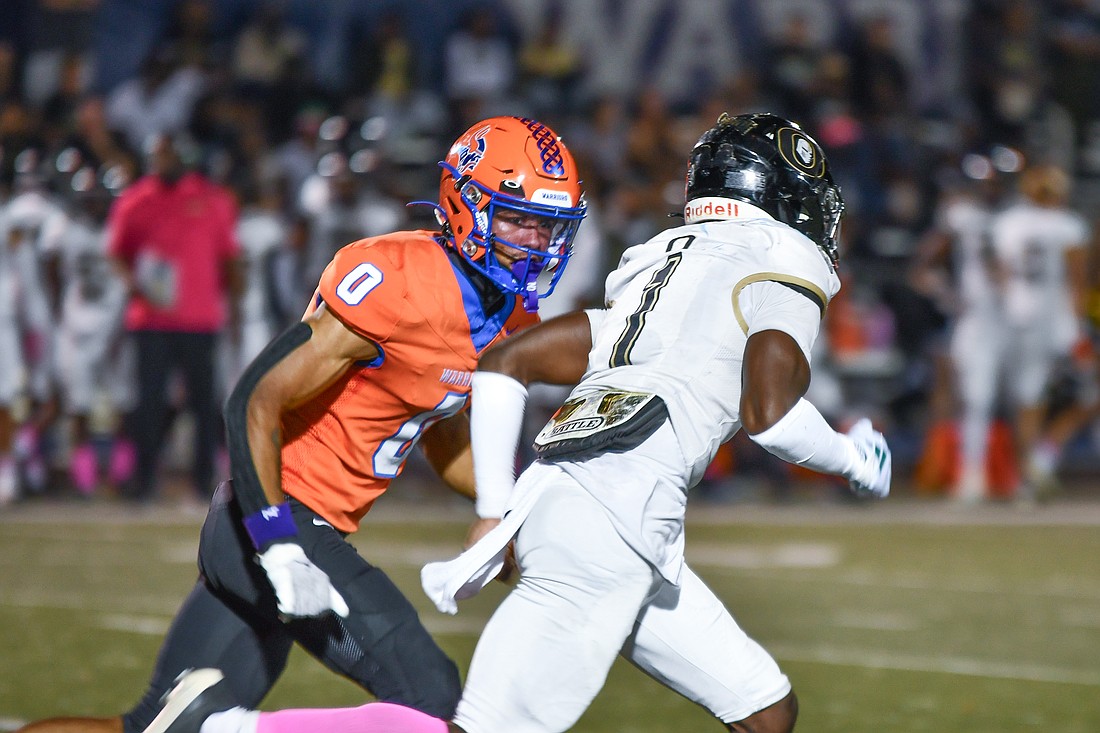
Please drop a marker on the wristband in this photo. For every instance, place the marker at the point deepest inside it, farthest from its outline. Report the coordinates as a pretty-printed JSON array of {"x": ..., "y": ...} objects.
[{"x": 269, "y": 525}]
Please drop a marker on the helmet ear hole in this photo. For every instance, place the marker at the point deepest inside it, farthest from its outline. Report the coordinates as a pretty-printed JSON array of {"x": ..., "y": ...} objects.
[{"x": 472, "y": 194}]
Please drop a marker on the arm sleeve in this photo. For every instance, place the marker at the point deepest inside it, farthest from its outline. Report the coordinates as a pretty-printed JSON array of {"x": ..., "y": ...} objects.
[
  {"x": 772, "y": 306},
  {"x": 497, "y": 404},
  {"x": 803, "y": 437}
]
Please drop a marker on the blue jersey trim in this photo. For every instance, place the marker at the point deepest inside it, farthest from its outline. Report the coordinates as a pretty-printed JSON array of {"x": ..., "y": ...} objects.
[
  {"x": 376, "y": 361},
  {"x": 483, "y": 329}
]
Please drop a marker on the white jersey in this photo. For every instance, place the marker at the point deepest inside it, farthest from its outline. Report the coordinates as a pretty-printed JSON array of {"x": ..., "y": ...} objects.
[
  {"x": 966, "y": 221},
  {"x": 93, "y": 294},
  {"x": 31, "y": 227},
  {"x": 42, "y": 219},
  {"x": 260, "y": 233},
  {"x": 681, "y": 308},
  {"x": 93, "y": 300},
  {"x": 1031, "y": 243}
]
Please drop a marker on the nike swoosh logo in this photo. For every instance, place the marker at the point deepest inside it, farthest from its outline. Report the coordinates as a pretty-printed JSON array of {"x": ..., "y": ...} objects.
[{"x": 321, "y": 523}]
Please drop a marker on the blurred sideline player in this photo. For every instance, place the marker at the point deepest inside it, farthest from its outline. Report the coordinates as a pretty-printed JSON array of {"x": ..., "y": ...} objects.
[
  {"x": 31, "y": 223},
  {"x": 956, "y": 268},
  {"x": 1041, "y": 247},
  {"x": 707, "y": 329},
  {"x": 326, "y": 415},
  {"x": 92, "y": 364},
  {"x": 262, "y": 231}
]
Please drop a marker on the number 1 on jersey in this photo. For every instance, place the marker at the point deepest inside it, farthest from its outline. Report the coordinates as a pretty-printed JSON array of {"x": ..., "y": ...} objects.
[{"x": 620, "y": 355}]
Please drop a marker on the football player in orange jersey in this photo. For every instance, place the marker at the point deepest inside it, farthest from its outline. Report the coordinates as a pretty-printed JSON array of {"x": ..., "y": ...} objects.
[{"x": 325, "y": 416}]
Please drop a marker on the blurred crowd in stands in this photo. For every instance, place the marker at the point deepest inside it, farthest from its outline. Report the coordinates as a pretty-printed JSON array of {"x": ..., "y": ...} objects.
[{"x": 314, "y": 164}]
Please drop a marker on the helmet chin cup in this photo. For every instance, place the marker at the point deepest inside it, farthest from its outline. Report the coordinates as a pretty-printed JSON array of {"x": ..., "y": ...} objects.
[
  {"x": 527, "y": 273},
  {"x": 521, "y": 277}
]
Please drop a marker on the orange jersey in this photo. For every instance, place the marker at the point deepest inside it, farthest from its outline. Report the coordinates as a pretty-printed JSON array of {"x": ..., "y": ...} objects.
[{"x": 401, "y": 292}]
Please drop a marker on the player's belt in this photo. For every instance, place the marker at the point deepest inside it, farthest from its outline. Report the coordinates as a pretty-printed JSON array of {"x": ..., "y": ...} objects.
[{"x": 607, "y": 421}]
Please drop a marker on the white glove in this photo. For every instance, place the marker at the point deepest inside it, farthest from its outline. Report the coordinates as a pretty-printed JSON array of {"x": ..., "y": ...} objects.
[
  {"x": 871, "y": 474},
  {"x": 303, "y": 589}
]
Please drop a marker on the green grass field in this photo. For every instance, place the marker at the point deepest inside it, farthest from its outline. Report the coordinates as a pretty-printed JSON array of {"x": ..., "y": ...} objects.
[{"x": 904, "y": 616}]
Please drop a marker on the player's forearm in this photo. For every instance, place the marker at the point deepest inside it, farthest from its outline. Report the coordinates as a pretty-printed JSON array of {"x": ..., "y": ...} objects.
[
  {"x": 446, "y": 447},
  {"x": 459, "y": 474},
  {"x": 523, "y": 357},
  {"x": 252, "y": 424},
  {"x": 803, "y": 437},
  {"x": 255, "y": 443},
  {"x": 265, "y": 442}
]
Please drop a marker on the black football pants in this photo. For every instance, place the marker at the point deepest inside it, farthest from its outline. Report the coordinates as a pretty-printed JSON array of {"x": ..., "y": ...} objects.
[{"x": 230, "y": 621}]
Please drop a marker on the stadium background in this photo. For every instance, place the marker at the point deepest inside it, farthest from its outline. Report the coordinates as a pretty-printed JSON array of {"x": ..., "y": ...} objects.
[{"x": 939, "y": 618}]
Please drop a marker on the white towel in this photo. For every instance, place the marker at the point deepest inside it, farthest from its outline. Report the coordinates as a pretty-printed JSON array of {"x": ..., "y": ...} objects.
[{"x": 448, "y": 581}]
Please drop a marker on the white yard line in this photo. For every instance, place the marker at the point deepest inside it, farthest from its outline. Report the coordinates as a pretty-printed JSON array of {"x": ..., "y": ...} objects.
[
  {"x": 54, "y": 600},
  {"x": 959, "y": 584},
  {"x": 869, "y": 659}
]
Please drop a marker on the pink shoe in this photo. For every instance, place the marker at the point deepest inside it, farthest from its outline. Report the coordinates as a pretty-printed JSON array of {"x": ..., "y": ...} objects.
[
  {"x": 123, "y": 461},
  {"x": 84, "y": 469}
]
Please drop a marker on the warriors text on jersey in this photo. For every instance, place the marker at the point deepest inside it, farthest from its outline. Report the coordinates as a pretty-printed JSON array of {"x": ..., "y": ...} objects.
[{"x": 401, "y": 292}]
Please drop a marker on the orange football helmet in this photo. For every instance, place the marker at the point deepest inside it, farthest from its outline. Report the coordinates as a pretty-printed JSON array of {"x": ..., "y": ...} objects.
[{"x": 514, "y": 164}]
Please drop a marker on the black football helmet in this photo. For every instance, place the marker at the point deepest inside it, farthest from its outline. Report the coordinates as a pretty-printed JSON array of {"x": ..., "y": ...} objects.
[{"x": 772, "y": 163}]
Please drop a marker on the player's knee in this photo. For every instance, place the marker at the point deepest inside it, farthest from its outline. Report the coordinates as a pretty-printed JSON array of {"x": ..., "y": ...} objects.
[
  {"x": 777, "y": 718},
  {"x": 443, "y": 689}
]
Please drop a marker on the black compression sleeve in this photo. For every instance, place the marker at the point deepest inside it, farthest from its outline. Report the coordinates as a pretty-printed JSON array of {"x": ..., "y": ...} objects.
[{"x": 246, "y": 482}]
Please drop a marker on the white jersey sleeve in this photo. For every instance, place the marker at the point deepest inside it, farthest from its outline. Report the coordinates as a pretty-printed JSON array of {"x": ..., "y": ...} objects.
[{"x": 772, "y": 306}]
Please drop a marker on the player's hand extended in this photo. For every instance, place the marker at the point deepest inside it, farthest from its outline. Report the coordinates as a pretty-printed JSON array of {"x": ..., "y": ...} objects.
[
  {"x": 479, "y": 529},
  {"x": 871, "y": 476},
  {"x": 303, "y": 589}
]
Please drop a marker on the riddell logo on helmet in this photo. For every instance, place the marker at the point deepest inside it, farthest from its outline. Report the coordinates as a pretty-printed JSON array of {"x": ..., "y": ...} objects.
[{"x": 711, "y": 208}]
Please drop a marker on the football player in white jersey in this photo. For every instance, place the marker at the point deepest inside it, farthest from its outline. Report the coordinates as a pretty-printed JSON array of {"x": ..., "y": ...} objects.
[
  {"x": 957, "y": 268},
  {"x": 262, "y": 231},
  {"x": 708, "y": 329},
  {"x": 91, "y": 363},
  {"x": 1041, "y": 247},
  {"x": 30, "y": 225}
]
